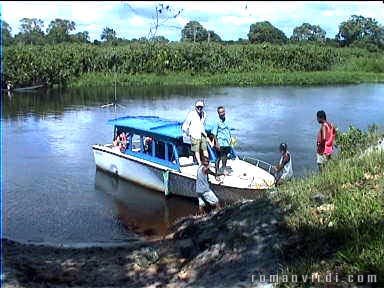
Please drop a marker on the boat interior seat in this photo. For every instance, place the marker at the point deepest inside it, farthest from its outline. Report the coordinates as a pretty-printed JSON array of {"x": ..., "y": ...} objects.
[{"x": 186, "y": 161}]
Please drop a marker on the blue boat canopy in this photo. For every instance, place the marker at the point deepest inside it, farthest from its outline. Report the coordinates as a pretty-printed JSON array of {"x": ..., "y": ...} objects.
[
  {"x": 160, "y": 128},
  {"x": 151, "y": 125}
]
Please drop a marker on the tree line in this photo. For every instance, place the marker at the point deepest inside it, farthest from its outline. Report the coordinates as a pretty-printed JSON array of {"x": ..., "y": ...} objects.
[{"x": 357, "y": 31}]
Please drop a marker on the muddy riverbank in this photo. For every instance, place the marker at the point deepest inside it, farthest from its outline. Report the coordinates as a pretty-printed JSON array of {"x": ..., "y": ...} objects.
[{"x": 222, "y": 249}]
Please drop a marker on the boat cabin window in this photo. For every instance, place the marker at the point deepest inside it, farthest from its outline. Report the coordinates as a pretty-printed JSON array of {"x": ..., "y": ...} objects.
[
  {"x": 148, "y": 146},
  {"x": 160, "y": 149},
  {"x": 135, "y": 143},
  {"x": 171, "y": 153},
  {"x": 121, "y": 140},
  {"x": 165, "y": 151},
  {"x": 184, "y": 150}
]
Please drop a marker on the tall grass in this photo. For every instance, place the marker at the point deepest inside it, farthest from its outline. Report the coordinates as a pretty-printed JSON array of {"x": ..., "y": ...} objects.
[
  {"x": 239, "y": 79},
  {"x": 358, "y": 64}
]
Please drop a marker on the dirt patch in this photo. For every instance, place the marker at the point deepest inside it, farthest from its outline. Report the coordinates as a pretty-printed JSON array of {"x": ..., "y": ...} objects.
[{"x": 223, "y": 249}]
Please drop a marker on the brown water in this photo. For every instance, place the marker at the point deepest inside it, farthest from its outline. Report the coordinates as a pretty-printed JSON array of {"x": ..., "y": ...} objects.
[{"x": 53, "y": 193}]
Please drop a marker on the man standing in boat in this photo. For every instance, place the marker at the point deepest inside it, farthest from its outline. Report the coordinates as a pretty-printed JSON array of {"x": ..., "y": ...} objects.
[
  {"x": 204, "y": 193},
  {"x": 222, "y": 132},
  {"x": 194, "y": 126},
  {"x": 325, "y": 139}
]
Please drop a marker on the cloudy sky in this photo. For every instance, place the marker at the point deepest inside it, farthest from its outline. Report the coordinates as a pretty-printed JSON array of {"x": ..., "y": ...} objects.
[{"x": 230, "y": 20}]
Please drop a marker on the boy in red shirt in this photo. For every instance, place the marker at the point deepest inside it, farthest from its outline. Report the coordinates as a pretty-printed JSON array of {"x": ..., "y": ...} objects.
[{"x": 325, "y": 139}]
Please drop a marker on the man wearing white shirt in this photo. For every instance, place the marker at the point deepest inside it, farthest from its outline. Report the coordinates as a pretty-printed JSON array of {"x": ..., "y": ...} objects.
[{"x": 193, "y": 126}]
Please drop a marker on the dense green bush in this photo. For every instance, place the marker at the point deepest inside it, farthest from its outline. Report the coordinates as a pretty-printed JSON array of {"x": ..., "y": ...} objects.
[
  {"x": 58, "y": 64},
  {"x": 355, "y": 139}
]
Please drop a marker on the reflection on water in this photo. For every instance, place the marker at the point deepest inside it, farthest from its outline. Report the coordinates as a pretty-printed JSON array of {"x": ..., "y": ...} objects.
[
  {"x": 142, "y": 210},
  {"x": 52, "y": 191},
  {"x": 57, "y": 101}
]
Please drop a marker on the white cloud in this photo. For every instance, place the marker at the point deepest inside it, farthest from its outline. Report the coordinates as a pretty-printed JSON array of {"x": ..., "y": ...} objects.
[
  {"x": 90, "y": 12},
  {"x": 137, "y": 21},
  {"x": 234, "y": 20},
  {"x": 85, "y": 14},
  {"x": 333, "y": 13},
  {"x": 94, "y": 30},
  {"x": 181, "y": 21}
]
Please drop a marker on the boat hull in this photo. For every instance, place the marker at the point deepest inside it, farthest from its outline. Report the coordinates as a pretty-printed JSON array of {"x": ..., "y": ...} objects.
[
  {"x": 128, "y": 168},
  {"x": 163, "y": 179}
]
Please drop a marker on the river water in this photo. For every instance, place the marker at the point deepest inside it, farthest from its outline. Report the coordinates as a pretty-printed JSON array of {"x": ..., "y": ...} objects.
[{"x": 52, "y": 192}]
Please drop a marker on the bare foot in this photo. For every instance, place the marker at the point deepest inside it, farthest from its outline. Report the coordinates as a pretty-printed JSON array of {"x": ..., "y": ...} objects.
[
  {"x": 183, "y": 275},
  {"x": 218, "y": 179},
  {"x": 201, "y": 211}
]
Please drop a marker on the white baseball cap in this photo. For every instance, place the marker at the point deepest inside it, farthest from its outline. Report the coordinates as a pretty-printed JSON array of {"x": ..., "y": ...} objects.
[{"x": 199, "y": 103}]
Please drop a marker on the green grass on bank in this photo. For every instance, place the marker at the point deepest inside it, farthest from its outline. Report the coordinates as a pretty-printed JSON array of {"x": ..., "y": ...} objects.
[
  {"x": 359, "y": 64},
  {"x": 339, "y": 216},
  {"x": 229, "y": 79}
]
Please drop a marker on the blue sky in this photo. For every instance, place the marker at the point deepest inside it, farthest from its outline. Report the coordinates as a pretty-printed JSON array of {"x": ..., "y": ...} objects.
[{"x": 229, "y": 19}]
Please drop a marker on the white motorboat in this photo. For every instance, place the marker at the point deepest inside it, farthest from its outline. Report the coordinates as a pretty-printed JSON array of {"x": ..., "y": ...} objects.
[{"x": 157, "y": 157}]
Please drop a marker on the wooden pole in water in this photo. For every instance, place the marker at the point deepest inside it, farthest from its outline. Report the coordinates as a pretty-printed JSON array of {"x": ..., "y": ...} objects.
[
  {"x": 114, "y": 96},
  {"x": 115, "y": 84}
]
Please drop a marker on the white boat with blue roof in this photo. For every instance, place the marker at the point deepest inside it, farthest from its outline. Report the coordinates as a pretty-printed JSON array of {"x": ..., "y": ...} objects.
[{"x": 156, "y": 156}]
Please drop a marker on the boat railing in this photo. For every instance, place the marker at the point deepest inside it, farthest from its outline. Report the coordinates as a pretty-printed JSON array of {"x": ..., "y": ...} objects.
[{"x": 259, "y": 163}]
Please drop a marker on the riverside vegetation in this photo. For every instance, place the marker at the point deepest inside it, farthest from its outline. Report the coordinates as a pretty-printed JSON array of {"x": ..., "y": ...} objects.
[
  {"x": 334, "y": 220},
  {"x": 201, "y": 64},
  {"x": 338, "y": 215}
]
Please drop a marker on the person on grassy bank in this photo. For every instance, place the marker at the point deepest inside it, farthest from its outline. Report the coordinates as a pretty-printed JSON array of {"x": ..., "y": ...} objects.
[
  {"x": 325, "y": 139},
  {"x": 284, "y": 170}
]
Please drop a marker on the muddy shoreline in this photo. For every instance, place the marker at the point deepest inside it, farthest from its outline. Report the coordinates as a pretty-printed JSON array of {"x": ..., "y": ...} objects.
[{"x": 222, "y": 249}]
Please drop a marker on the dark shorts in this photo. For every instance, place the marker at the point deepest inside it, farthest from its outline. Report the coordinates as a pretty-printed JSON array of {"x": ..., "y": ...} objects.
[{"x": 224, "y": 150}]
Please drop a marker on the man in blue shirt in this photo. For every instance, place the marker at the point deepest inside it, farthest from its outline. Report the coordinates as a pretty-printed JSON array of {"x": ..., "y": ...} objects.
[{"x": 222, "y": 133}]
